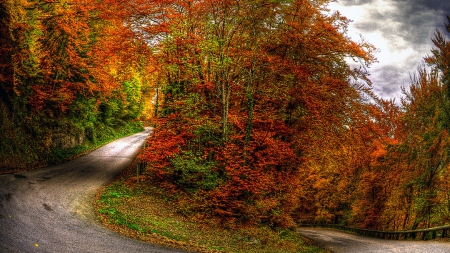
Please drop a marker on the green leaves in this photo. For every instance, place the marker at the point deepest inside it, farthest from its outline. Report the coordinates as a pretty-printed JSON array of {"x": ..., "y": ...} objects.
[
  {"x": 68, "y": 63},
  {"x": 192, "y": 172}
]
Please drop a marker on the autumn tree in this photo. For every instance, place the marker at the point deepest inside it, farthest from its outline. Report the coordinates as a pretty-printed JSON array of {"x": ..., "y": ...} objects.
[
  {"x": 63, "y": 70},
  {"x": 417, "y": 199},
  {"x": 253, "y": 90},
  {"x": 412, "y": 171}
]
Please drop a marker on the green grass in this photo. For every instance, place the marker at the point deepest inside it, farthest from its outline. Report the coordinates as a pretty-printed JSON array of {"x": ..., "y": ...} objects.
[{"x": 142, "y": 211}]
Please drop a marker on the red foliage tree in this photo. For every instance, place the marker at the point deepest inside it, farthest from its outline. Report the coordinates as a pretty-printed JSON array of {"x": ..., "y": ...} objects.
[{"x": 253, "y": 91}]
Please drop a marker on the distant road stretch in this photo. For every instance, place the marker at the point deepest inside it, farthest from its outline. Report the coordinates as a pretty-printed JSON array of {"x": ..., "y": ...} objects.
[
  {"x": 51, "y": 210},
  {"x": 340, "y": 242}
]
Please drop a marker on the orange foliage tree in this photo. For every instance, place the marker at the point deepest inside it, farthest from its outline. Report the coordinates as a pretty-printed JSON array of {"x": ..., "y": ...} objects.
[
  {"x": 409, "y": 188},
  {"x": 73, "y": 66},
  {"x": 416, "y": 167},
  {"x": 257, "y": 96}
]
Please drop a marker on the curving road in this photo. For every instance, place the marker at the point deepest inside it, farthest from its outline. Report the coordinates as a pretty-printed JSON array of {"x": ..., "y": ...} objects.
[
  {"x": 337, "y": 241},
  {"x": 50, "y": 209}
]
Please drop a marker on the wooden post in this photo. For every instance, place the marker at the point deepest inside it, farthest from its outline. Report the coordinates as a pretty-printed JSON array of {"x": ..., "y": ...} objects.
[{"x": 137, "y": 172}]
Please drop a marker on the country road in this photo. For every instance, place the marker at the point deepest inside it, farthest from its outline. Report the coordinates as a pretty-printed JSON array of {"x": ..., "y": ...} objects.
[
  {"x": 337, "y": 241},
  {"x": 51, "y": 210}
]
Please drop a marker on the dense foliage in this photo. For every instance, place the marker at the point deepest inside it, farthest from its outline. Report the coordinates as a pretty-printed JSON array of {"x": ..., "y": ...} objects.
[
  {"x": 264, "y": 121},
  {"x": 70, "y": 71},
  {"x": 258, "y": 103},
  {"x": 260, "y": 118}
]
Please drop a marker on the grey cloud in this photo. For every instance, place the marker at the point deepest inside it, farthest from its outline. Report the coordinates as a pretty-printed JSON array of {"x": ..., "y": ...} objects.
[
  {"x": 428, "y": 4},
  {"x": 414, "y": 26},
  {"x": 416, "y": 20},
  {"x": 417, "y": 27},
  {"x": 354, "y": 2},
  {"x": 389, "y": 79},
  {"x": 417, "y": 5},
  {"x": 423, "y": 15},
  {"x": 413, "y": 21}
]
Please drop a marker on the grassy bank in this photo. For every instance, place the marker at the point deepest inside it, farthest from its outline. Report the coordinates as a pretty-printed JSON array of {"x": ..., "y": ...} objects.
[{"x": 143, "y": 211}]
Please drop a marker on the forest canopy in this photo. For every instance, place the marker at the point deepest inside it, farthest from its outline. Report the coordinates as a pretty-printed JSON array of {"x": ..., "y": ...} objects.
[
  {"x": 71, "y": 74},
  {"x": 259, "y": 117}
]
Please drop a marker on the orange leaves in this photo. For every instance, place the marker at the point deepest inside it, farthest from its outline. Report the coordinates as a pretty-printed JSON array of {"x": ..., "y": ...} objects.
[
  {"x": 260, "y": 186},
  {"x": 76, "y": 53},
  {"x": 163, "y": 145},
  {"x": 272, "y": 95}
]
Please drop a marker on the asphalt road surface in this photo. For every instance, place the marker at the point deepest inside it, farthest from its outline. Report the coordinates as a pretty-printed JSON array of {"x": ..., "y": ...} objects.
[
  {"x": 338, "y": 242},
  {"x": 51, "y": 210}
]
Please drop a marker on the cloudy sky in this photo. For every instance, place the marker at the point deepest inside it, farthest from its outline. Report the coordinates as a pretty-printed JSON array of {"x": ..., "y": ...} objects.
[{"x": 401, "y": 30}]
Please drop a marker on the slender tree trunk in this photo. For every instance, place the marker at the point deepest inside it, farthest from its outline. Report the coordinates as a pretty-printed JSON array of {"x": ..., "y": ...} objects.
[
  {"x": 250, "y": 99},
  {"x": 225, "y": 103},
  {"x": 156, "y": 102}
]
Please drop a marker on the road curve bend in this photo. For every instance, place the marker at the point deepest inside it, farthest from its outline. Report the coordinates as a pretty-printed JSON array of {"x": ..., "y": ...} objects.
[
  {"x": 340, "y": 242},
  {"x": 51, "y": 210}
]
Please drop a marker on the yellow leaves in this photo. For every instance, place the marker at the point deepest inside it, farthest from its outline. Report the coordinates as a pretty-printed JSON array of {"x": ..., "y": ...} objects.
[{"x": 378, "y": 153}]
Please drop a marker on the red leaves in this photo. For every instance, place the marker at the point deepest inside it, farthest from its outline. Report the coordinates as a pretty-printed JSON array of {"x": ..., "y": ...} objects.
[{"x": 274, "y": 106}]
